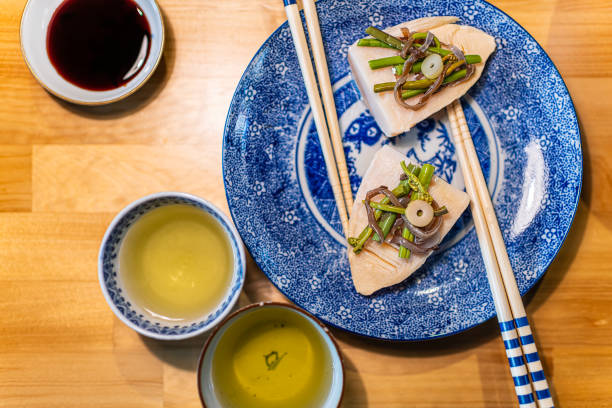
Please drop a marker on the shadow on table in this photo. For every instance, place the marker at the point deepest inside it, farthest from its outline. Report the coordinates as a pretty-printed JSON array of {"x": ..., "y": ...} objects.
[
  {"x": 587, "y": 177},
  {"x": 183, "y": 354},
  {"x": 354, "y": 389},
  {"x": 423, "y": 349},
  {"x": 143, "y": 96}
]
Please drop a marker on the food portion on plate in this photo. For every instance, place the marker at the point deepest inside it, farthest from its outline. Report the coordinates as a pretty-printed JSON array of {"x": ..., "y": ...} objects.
[
  {"x": 405, "y": 74},
  {"x": 410, "y": 71},
  {"x": 412, "y": 218}
]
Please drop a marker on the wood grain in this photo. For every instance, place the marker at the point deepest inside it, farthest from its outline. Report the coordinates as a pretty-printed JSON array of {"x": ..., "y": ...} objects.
[
  {"x": 15, "y": 178},
  {"x": 65, "y": 171},
  {"x": 105, "y": 178}
]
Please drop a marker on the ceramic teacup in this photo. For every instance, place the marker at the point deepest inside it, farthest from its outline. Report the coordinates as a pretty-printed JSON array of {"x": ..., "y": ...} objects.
[
  {"x": 113, "y": 288},
  {"x": 244, "y": 341}
]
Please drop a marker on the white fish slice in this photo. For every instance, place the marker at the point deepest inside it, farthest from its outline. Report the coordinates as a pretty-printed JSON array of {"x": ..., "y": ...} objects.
[
  {"x": 392, "y": 118},
  {"x": 378, "y": 265}
]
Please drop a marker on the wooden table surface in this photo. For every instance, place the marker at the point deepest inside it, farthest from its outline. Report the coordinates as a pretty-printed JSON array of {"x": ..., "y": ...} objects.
[{"x": 65, "y": 171}]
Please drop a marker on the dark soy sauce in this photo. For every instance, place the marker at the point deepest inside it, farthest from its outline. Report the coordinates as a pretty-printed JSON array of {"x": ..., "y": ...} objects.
[{"x": 98, "y": 44}]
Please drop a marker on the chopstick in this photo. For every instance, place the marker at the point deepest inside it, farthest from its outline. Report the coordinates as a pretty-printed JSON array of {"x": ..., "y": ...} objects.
[
  {"x": 528, "y": 345},
  {"x": 343, "y": 200},
  {"x": 318, "y": 53},
  {"x": 523, "y": 388},
  {"x": 516, "y": 332}
]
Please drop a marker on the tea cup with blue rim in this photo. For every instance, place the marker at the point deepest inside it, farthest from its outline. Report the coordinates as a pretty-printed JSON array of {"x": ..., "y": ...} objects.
[{"x": 113, "y": 285}]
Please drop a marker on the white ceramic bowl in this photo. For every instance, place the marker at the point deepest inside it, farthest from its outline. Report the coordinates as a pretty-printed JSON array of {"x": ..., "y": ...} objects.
[
  {"x": 33, "y": 32},
  {"x": 131, "y": 313},
  {"x": 206, "y": 386}
]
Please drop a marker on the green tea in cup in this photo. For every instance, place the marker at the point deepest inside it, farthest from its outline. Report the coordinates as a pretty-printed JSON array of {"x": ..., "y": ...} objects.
[{"x": 176, "y": 262}]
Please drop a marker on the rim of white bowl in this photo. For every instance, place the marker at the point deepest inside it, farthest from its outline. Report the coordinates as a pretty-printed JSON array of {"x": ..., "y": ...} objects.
[
  {"x": 304, "y": 313},
  {"x": 230, "y": 229},
  {"x": 121, "y": 95}
]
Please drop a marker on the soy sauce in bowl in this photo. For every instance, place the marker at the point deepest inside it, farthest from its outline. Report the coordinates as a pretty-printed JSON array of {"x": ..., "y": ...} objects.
[{"x": 98, "y": 45}]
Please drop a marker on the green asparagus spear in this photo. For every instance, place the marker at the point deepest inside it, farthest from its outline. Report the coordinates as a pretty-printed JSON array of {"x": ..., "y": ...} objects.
[
  {"x": 419, "y": 84},
  {"x": 396, "y": 60},
  {"x": 373, "y": 42},
  {"x": 385, "y": 224},
  {"x": 387, "y": 207},
  {"x": 412, "y": 92},
  {"x": 386, "y": 62},
  {"x": 405, "y": 252},
  {"x": 384, "y": 37},
  {"x": 416, "y": 67},
  {"x": 425, "y": 176},
  {"x": 399, "y": 68},
  {"x": 422, "y": 36},
  {"x": 439, "y": 50}
]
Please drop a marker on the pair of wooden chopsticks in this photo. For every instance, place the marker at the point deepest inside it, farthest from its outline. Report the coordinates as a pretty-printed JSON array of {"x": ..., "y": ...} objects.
[
  {"x": 525, "y": 365},
  {"x": 326, "y": 123}
]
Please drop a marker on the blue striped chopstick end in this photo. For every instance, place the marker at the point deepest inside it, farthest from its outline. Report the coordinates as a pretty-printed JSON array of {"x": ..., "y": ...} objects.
[
  {"x": 511, "y": 344},
  {"x": 505, "y": 326},
  {"x": 521, "y": 380},
  {"x": 525, "y": 399},
  {"x": 525, "y": 340},
  {"x": 515, "y": 361},
  {"x": 521, "y": 321},
  {"x": 538, "y": 376},
  {"x": 288, "y": 2},
  {"x": 532, "y": 357},
  {"x": 543, "y": 394}
]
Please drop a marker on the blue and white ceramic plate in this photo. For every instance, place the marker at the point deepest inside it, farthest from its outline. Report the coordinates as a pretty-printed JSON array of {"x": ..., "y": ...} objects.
[{"x": 525, "y": 131}]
